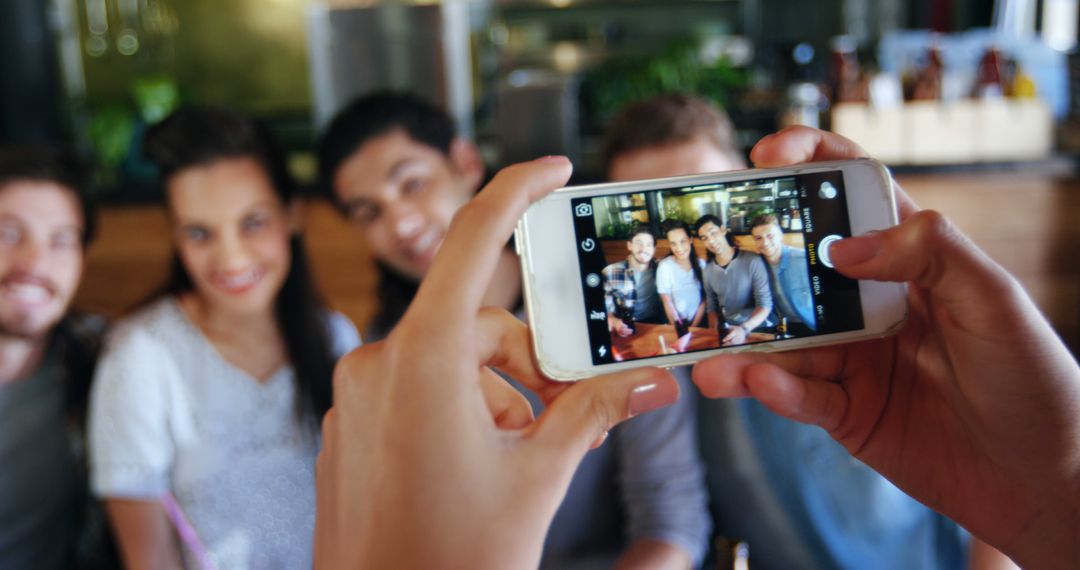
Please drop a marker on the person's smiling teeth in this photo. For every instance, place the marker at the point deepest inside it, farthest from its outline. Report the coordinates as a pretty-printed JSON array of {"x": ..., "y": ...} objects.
[
  {"x": 241, "y": 280},
  {"x": 27, "y": 293}
]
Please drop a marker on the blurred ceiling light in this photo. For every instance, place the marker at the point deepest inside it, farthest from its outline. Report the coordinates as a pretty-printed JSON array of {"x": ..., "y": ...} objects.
[
  {"x": 1059, "y": 23},
  {"x": 566, "y": 57},
  {"x": 97, "y": 16},
  {"x": 127, "y": 42},
  {"x": 96, "y": 46},
  {"x": 561, "y": 3}
]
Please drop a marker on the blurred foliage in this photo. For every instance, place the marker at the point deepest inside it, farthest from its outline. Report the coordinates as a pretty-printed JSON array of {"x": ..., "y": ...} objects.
[
  {"x": 674, "y": 210},
  {"x": 677, "y": 68},
  {"x": 155, "y": 96},
  {"x": 111, "y": 130},
  {"x": 760, "y": 211},
  {"x": 616, "y": 230}
]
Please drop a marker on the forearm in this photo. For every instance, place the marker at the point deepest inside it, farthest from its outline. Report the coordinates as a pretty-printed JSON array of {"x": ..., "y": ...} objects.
[
  {"x": 1051, "y": 538},
  {"x": 143, "y": 535},
  {"x": 669, "y": 308},
  {"x": 756, "y": 318},
  {"x": 986, "y": 557},
  {"x": 613, "y": 323},
  {"x": 650, "y": 553},
  {"x": 698, "y": 315}
]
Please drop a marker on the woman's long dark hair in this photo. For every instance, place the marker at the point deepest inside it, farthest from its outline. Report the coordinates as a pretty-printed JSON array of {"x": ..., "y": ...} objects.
[
  {"x": 672, "y": 225},
  {"x": 198, "y": 136}
]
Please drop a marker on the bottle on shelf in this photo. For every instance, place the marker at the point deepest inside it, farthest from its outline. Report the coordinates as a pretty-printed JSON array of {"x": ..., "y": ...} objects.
[
  {"x": 846, "y": 84},
  {"x": 990, "y": 76},
  {"x": 781, "y": 328},
  {"x": 927, "y": 84},
  {"x": 796, "y": 220}
]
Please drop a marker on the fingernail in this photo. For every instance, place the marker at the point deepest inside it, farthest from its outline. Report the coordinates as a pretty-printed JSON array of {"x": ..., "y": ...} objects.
[
  {"x": 856, "y": 250},
  {"x": 649, "y": 397},
  {"x": 553, "y": 159}
]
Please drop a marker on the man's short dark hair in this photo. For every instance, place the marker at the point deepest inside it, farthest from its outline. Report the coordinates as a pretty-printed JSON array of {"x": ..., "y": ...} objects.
[
  {"x": 715, "y": 220},
  {"x": 52, "y": 164},
  {"x": 764, "y": 220},
  {"x": 372, "y": 116},
  {"x": 639, "y": 229},
  {"x": 668, "y": 119}
]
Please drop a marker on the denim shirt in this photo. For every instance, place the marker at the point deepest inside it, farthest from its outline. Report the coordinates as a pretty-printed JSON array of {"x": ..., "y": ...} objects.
[
  {"x": 800, "y": 500},
  {"x": 790, "y": 280}
]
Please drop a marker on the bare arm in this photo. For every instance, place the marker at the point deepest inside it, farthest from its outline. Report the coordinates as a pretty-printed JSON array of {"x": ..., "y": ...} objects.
[
  {"x": 986, "y": 557},
  {"x": 698, "y": 314},
  {"x": 756, "y": 318},
  {"x": 737, "y": 335},
  {"x": 649, "y": 553},
  {"x": 143, "y": 534},
  {"x": 669, "y": 308}
]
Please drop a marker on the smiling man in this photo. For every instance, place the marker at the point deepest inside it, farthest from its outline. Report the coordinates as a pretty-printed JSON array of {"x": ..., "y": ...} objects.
[
  {"x": 395, "y": 167},
  {"x": 788, "y": 273},
  {"x": 630, "y": 285},
  {"x": 46, "y": 359}
]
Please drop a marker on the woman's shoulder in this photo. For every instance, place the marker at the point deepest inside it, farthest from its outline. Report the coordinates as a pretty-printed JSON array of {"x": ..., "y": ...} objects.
[{"x": 160, "y": 322}]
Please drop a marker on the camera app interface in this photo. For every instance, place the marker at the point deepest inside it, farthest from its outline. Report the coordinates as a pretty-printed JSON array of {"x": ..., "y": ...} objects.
[{"x": 701, "y": 267}]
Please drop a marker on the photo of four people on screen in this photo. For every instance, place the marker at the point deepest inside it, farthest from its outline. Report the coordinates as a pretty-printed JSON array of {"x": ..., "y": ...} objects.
[{"x": 736, "y": 275}]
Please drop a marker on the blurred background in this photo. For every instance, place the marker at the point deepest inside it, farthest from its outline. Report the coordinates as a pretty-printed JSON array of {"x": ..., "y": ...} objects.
[{"x": 973, "y": 103}]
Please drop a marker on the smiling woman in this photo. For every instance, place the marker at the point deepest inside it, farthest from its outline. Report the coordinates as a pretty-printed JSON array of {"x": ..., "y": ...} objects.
[{"x": 218, "y": 386}]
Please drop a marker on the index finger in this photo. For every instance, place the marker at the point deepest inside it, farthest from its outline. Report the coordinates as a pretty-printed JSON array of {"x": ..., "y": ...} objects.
[
  {"x": 796, "y": 145},
  {"x": 459, "y": 276}
]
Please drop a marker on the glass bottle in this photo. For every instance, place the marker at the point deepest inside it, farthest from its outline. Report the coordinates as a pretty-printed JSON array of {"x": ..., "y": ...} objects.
[{"x": 990, "y": 77}]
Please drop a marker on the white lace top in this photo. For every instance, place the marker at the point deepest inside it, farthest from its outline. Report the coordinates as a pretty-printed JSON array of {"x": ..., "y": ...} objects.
[{"x": 168, "y": 413}]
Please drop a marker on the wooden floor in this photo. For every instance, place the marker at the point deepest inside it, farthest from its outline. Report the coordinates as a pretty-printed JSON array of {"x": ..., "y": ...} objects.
[{"x": 1028, "y": 221}]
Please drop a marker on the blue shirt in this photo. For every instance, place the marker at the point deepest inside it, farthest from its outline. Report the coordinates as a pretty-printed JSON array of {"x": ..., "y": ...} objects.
[
  {"x": 800, "y": 500},
  {"x": 790, "y": 280}
]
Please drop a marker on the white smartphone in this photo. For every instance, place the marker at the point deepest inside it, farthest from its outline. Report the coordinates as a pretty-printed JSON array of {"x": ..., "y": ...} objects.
[{"x": 598, "y": 300}]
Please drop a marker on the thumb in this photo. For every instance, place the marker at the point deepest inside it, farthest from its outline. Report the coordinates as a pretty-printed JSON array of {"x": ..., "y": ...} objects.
[
  {"x": 583, "y": 413},
  {"x": 929, "y": 252}
]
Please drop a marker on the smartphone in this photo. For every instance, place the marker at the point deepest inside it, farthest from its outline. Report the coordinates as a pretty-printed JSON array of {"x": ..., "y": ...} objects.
[{"x": 601, "y": 298}]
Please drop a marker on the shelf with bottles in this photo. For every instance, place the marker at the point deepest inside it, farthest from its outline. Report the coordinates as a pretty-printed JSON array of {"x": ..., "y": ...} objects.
[
  {"x": 786, "y": 210},
  {"x": 616, "y": 216}
]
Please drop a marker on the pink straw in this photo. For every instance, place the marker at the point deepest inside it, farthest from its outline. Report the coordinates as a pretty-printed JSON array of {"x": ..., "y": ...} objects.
[{"x": 187, "y": 533}]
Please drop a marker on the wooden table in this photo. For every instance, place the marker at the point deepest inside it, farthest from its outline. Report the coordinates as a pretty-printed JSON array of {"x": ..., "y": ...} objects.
[{"x": 646, "y": 341}]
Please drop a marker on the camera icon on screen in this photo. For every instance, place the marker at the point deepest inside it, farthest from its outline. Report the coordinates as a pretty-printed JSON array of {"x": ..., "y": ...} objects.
[{"x": 583, "y": 210}]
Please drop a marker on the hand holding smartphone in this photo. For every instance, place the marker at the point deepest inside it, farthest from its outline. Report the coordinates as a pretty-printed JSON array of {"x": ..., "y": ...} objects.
[{"x": 750, "y": 248}]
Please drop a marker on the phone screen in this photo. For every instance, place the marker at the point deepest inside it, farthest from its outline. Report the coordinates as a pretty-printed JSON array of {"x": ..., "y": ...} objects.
[{"x": 692, "y": 268}]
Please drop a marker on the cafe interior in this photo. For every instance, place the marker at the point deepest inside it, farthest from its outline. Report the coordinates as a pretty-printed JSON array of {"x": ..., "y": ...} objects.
[
  {"x": 974, "y": 105},
  {"x": 970, "y": 103}
]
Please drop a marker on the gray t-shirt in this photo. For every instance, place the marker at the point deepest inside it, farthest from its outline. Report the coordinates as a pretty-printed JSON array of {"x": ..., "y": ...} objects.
[
  {"x": 647, "y": 303},
  {"x": 42, "y": 489},
  {"x": 738, "y": 288}
]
